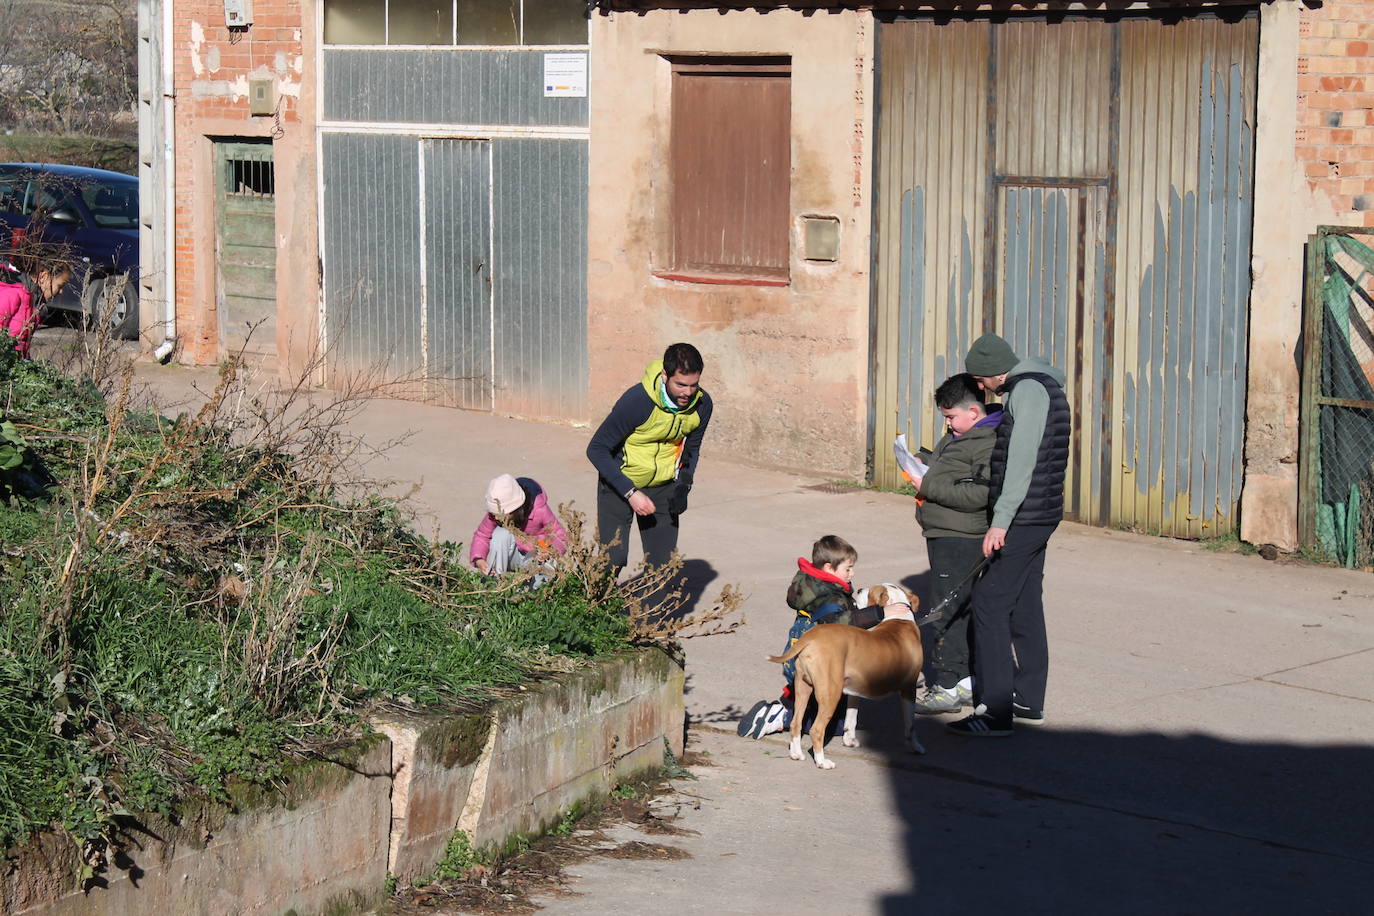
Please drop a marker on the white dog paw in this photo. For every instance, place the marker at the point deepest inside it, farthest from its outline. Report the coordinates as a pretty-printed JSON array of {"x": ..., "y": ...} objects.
[
  {"x": 825, "y": 763},
  {"x": 795, "y": 752},
  {"x": 917, "y": 747},
  {"x": 850, "y": 741}
]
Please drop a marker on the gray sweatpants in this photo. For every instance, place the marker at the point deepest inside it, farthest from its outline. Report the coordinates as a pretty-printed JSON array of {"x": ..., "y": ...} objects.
[{"x": 504, "y": 555}]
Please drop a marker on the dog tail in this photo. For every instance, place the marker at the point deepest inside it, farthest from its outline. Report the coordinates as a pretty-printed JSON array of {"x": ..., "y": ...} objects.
[{"x": 790, "y": 654}]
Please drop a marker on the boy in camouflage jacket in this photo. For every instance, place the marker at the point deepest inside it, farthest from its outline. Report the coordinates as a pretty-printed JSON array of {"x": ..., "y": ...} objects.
[{"x": 820, "y": 592}]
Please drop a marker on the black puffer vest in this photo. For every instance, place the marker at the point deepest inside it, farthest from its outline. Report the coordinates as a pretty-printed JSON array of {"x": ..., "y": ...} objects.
[{"x": 1044, "y": 502}]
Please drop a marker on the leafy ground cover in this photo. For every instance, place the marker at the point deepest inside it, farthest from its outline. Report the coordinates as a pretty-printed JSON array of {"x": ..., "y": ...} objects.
[{"x": 188, "y": 603}]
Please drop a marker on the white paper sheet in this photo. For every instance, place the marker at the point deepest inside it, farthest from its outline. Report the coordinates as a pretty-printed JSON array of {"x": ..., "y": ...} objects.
[{"x": 911, "y": 466}]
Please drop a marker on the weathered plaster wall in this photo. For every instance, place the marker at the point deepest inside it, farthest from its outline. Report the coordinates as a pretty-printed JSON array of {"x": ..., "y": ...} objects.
[
  {"x": 787, "y": 366},
  {"x": 212, "y": 67},
  {"x": 1291, "y": 200}
]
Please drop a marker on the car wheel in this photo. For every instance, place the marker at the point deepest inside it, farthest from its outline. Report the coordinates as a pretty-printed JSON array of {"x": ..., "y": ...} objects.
[{"x": 119, "y": 312}]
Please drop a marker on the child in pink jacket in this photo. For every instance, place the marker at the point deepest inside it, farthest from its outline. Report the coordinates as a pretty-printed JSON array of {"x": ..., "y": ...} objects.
[
  {"x": 18, "y": 315},
  {"x": 521, "y": 501}
]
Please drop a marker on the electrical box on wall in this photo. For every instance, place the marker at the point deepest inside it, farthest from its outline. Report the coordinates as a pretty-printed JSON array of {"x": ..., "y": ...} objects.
[
  {"x": 821, "y": 238},
  {"x": 238, "y": 13},
  {"x": 261, "y": 99}
]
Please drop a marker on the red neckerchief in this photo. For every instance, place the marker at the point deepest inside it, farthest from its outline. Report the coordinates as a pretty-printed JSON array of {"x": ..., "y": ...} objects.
[{"x": 805, "y": 566}]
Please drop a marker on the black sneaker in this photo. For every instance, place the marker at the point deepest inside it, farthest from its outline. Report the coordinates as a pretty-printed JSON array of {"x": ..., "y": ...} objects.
[
  {"x": 979, "y": 727},
  {"x": 1027, "y": 716},
  {"x": 751, "y": 723}
]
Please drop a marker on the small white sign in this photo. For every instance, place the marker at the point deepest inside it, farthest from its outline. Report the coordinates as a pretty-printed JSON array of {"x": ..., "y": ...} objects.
[{"x": 565, "y": 75}]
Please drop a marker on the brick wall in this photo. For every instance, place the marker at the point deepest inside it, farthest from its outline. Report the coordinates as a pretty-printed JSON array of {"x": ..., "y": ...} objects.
[
  {"x": 212, "y": 69},
  {"x": 1335, "y": 134}
]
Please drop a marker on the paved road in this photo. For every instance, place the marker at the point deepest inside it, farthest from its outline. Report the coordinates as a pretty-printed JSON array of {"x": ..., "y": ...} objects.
[{"x": 1210, "y": 745}]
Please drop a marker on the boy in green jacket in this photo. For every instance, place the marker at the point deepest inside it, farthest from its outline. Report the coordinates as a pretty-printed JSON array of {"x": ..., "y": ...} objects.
[{"x": 952, "y": 508}]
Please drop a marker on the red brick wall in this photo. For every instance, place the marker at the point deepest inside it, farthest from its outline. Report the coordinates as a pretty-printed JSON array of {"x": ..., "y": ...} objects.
[
  {"x": 212, "y": 67},
  {"x": 1335, "y": 137}
]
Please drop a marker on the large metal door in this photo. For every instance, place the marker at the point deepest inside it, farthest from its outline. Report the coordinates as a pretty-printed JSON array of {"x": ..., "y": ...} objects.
[
  {"x": 246, "y": 260},
  {"x": 1050, "y": 266},
  {"x": 1084, "y": 188},
  {"x": 456, "y": 268},
  {"x": 455, "y": 249}
]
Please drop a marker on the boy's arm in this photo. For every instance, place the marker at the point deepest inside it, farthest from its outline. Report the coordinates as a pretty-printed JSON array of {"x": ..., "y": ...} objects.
[
  {"x": 965, "y": 494},
  {"x": 957, "y": 484}
]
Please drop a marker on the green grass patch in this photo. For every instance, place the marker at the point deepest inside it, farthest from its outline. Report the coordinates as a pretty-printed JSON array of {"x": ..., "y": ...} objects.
[
  {"x": 188, "y": 605},
  {"x": 1228, "y": 543},
  {"x": 93, "y": 152}
]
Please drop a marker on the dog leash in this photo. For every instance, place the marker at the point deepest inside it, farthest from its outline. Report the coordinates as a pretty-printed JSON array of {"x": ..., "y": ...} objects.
[{"x": 938, "y": 611}]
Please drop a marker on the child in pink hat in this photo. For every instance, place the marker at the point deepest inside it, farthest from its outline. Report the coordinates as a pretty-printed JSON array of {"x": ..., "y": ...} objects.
[{"x": 521, "y": 502}]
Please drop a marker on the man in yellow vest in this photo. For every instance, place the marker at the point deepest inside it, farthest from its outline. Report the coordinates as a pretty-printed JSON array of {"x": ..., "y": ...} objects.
[{"x": 645, "y": 452}]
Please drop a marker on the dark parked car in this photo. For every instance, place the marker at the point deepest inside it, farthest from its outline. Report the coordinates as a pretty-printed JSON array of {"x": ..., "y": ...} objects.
[{"x": 92, "y": 215}]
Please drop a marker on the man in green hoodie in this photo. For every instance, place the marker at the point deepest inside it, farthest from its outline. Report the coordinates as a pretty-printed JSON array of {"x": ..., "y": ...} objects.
[
  {"x": 645, "y": 454},
  {"x": 1026, "y": 488}
]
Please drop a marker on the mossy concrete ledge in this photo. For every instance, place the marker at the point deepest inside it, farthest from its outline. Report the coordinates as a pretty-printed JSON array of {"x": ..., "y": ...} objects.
[
  {"x": 559, "y": 743},
  {"x": 317, "y": 846},
  {"x": 386, "y": 805}
]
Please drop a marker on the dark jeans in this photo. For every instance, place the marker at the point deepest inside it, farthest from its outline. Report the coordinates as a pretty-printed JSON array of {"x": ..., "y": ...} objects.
[
  {"x": 951, "y": 560},
  {"x": 657, "y": 532},
  {"x": 1009, "y": 613}
]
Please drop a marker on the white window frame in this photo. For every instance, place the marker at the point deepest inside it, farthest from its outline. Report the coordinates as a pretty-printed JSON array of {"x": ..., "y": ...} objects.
[{"x": 453, "y": 41}]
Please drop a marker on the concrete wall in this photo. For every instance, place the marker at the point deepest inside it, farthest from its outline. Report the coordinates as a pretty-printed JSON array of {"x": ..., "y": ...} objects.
[
  {"x": 538, "y": 754},
  {"x": 212, "y": 67},
  {"x": 324, "y": 843},
  {"x": 1314, "y": 166},
  {"x": 787, "y": 366},
  {"x": 388, "y": 806}
]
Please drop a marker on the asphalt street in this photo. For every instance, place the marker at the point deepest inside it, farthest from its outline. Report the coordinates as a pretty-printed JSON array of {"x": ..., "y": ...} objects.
[{"x": 1209, "y": 744}]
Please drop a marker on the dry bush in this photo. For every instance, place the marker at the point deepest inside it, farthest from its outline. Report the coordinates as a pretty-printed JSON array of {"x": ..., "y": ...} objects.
[{"x": 654, "y": 597}]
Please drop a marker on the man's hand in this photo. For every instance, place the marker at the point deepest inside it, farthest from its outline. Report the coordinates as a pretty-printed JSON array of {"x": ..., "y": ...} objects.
[
  {"x": 993, "y": 541},
  {"x": 481, "y": 564},
  {"x": 642, "y": 504}
]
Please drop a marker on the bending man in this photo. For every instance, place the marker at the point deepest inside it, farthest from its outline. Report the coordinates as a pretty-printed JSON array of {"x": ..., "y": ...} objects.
[{"x": 645, "y": 453}]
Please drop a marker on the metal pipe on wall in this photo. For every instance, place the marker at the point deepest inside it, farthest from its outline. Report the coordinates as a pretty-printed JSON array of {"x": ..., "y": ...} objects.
[{"x": 169, "y": 184}]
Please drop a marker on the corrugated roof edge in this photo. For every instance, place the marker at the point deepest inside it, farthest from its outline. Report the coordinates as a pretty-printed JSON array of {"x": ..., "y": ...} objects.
[{"x": 968, "y": 7}]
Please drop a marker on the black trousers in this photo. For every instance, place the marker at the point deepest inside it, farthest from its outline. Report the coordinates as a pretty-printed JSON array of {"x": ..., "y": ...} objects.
[
  {"x": 1009, "y": 614},
  {"x": 951, "y": 560},
  {"x": 657, "y": 532}
]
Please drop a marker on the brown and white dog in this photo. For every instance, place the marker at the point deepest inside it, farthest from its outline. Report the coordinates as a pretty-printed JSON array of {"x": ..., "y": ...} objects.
[{"x": 844, "y": 660}]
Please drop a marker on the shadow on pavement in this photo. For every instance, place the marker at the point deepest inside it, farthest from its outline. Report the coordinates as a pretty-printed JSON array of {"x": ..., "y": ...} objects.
[
  {"x": 692, "y": 580},
  {"x": 1056, "y": 820}
]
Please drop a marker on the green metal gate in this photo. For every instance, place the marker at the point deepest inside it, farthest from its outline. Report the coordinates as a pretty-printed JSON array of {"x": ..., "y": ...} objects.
[
  {"x": 1336, "y": 462},
  {"x": 245, "y": 223}
]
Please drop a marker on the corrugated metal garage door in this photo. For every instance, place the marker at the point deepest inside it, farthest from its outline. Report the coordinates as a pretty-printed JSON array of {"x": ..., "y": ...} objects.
[
  {"x": 496, "y": 230},
  {"x": 1084, "y": 188}
]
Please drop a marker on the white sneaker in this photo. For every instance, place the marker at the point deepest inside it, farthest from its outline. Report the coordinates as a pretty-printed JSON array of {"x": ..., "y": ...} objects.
[{"x": 775, "y": 720}]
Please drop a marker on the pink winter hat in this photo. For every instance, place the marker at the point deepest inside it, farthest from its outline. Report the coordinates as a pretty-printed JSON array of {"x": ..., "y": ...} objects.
[{"x": 504, "y": 495}]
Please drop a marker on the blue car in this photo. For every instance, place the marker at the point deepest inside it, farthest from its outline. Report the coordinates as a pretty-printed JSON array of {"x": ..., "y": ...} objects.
[{"x": 92, "y": 214}]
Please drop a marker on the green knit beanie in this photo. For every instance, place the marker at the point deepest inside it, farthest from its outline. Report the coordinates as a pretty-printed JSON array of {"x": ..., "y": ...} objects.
[{"x": 990, "y": 355}]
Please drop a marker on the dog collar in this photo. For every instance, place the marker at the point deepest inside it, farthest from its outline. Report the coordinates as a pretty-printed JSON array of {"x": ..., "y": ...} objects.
[{"x": 908, "y": 614}]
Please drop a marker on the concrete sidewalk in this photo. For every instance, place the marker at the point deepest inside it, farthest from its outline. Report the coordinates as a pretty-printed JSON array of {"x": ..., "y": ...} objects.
[{"x": 1210, "y": 736}]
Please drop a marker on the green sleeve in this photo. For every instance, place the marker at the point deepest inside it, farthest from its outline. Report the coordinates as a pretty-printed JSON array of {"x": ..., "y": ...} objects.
[
  {"x": 949, "y": 483},
  {"x": 1029, "y": 405}
]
